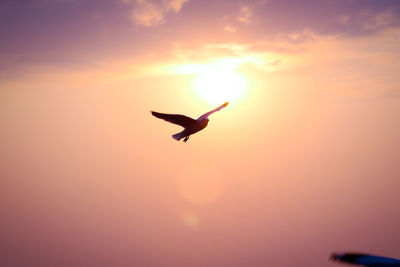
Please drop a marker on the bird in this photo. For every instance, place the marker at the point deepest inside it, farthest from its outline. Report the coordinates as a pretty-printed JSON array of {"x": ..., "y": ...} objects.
[
  {"x": 363, "y": 259},
  {"x": 190, "y": 125}
]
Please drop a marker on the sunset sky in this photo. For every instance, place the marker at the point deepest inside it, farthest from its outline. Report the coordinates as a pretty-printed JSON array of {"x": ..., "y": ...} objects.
[{"x": 303, "y": 162}]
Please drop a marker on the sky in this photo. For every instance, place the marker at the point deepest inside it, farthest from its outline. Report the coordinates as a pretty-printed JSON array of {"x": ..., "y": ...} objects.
[{"x": 303, "y": 162}]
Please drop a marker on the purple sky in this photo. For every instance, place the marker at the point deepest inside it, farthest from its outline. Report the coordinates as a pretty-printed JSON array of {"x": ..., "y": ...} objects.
[{"x": 77, "y": 32}]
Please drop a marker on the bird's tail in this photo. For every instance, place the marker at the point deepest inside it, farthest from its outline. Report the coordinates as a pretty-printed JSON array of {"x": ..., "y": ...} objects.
[{"x": 177, "y": 136}]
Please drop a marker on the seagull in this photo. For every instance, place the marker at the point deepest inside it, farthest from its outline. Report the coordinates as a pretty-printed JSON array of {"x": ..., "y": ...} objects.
[
  {"x": 363, "y": 259},
  {"x": 191, "y": 125}
]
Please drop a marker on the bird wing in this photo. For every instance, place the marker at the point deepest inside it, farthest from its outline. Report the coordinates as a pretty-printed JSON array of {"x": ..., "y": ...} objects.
[
  {"x": 365, "y": 259},
  {"x": 181, "y": 120},
  {"x": 204, "y": 116}
]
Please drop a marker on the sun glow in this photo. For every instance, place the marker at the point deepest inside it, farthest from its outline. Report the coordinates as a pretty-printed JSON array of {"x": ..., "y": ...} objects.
[{"x": 217, "y": 83}]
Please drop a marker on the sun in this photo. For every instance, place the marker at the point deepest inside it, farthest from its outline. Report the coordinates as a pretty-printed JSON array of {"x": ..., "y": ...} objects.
[{"x": 218, "y": 83}]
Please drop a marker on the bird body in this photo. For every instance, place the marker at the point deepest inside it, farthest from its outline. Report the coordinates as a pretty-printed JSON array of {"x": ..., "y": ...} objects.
[
  {"x": 190, "y": 125},
  {"x": 191, "y": 130},
  {"x": 363, "y": 259}
]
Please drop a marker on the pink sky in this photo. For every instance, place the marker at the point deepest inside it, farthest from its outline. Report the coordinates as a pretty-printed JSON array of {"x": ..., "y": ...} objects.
[{"x": 304, "y": 163}]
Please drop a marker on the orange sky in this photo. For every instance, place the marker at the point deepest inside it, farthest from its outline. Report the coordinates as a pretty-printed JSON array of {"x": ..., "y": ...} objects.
[{"x": 302, "y": 163}]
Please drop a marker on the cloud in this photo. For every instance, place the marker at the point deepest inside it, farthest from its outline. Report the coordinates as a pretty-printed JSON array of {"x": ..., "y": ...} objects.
[
  {"x": 344, "y": 20},
  {"x": 229, "y": 28},
  {"x": 149, "y": 13},
  {"x": 368, "y": 21},
  {"x": 381, "y": 20},
  {"x": 195, "y": 59},
  {"x": 346, "y": 62},
  {"x": 175, "y": 5},
  {"x": 244, "y": 15}
]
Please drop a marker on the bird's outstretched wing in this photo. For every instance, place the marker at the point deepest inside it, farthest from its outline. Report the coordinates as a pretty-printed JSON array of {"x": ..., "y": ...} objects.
[
  {"x": 181, "y": 120},
  {"x": 204, "y": 116},
  {"x": 365, "y": 259}
]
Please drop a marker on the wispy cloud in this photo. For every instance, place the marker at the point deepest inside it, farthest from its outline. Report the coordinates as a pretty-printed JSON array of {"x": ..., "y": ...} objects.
[
  {"x": 175, "y": 5},
  {"x": 245, "y": 14},
  {"x": 149, "y": 13},
  {"x": 344, "y": 20},
  {"x": 229, "y": 28},
  {"x": 368, "y": 21},
  {"x": 380, "y": 20}
]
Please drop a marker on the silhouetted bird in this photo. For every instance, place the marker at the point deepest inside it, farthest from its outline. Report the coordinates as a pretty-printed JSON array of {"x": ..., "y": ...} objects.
[
  {"x": 191, "y": 125},
  {"x": 365, "y": 259}
]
